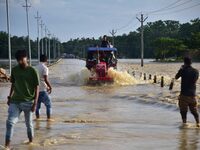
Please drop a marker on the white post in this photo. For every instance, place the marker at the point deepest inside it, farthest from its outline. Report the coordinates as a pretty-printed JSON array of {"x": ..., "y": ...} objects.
[
  {"x": 38, "y": 32},
  {"x": 29, "y": 42},
  {"x": 8, "y": 30},
  {"x": 49, "y": 35},
  {"x": 42, "y": 36},
  {"x": 46, "y": 41},
  {"x": 142, "y": 20},
  {"x": 113, "y": 32}
]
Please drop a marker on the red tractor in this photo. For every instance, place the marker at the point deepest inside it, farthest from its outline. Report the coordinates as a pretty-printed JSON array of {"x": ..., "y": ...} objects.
[{"x": 99, "y": 60}]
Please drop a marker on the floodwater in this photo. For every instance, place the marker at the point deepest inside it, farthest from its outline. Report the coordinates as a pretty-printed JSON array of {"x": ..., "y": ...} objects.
[{"x": 131, "y": 114}]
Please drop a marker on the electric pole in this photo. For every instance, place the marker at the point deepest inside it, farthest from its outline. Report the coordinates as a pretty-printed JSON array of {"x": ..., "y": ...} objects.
[
  {"x": 53, "y": 38},
  {"x": 142, "y": 20},
  {"x": 8, "y": 30},
  {"x": 58, "y": 49},
  {"x": 42, "y": 25},
  {"x": 113, "y": 32},
  {"x": 38, "y": 34},
  {"x": 49, "y": 35},
  {"x": 27, "y": 19},
  {"x": 46, "y": 41},
  {"x": 55, "y": 56}
]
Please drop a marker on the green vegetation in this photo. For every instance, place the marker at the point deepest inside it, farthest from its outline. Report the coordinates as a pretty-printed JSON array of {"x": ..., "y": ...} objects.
[
  {"x": 18, "y": 43},
  {"x": 163, "y": 40}
]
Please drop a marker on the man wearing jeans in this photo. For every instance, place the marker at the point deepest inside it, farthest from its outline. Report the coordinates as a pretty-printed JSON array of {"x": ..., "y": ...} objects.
[
  {"x": 23, "y": 96},
  {"x": 45, "y": 88}
]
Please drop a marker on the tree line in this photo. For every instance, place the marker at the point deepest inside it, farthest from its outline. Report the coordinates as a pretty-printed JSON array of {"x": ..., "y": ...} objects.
[
  {"x": 162, "y": 40},
  {"x": 21, "y": 43}
]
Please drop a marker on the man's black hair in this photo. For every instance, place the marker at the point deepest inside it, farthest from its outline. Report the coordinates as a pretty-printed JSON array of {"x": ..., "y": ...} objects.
[
  {"x": 43, "y": 58},
  {"x": 187, "y": 61},
  {"x": 104, "y": 36},
  {"x": 20, "y": 54}
]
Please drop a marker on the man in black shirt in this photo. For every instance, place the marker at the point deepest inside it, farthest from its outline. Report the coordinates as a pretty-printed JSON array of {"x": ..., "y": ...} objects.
[
  {"x": 187, "y": 98},
  {"x": 104, "y": 42}
]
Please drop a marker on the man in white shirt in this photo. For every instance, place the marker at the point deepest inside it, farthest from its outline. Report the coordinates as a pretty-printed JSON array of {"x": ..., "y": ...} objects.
[{"x": 44, "y": 88}]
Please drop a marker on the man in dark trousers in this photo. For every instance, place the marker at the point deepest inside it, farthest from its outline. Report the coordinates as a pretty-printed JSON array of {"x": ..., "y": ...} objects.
[
  {"x": 187, "y": 98},
  {"x": 23, "y": 96}
]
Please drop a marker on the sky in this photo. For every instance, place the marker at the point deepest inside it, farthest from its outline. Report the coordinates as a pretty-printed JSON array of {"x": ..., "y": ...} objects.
[{"x": 68, "y": 19}]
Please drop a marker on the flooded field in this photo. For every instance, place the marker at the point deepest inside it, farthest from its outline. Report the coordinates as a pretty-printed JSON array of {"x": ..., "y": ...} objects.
[{"x": 131, "y": 114}]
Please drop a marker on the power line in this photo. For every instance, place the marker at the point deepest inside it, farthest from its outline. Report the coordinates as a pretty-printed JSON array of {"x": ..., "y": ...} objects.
[
  {"x": 126, "y": 25},
  {"x": 161, "y": 9},
  {"x": 177, "y": 6},
  {"x": 181, "y": 4},
  {"x": 179, "y": 10}
]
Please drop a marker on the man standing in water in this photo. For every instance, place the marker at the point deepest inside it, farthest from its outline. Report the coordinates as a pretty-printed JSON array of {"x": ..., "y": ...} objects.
[
  {"x": 23, "y": 96},
  {"x": 187, "y": 98},
  {"x": 45, "y": 87}
]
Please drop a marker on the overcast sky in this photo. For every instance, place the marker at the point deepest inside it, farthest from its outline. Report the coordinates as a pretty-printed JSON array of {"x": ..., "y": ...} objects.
[{"x": 93, "y": 18}]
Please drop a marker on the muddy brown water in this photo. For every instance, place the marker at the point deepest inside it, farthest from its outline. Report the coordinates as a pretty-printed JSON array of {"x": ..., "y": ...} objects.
[{"x": 138, "y": 116}]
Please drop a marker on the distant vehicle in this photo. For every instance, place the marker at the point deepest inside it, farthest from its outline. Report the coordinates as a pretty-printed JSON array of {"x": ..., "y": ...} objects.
[
  {"x": 99, "y": 60},
  {"x": 70, "y": 56}
]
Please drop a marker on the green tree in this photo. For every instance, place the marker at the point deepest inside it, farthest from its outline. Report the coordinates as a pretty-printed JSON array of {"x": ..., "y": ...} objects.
[{"x": 168, "y": 47}]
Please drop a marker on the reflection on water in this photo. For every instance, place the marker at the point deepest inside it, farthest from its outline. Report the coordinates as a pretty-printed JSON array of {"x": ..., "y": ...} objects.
[
  {"x": 39, "y": 125},
  {"x": 189, "y": 139},
  {"x": 139, "y": 116}
]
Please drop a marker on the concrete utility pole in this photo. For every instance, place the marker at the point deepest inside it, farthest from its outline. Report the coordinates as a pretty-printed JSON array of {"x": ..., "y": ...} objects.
[
  {"x": 113, "y": 32},
  {"x": 46, "y": 41},
  {"x": 55, "y": 42},
  {"x": 49, "y": 35},
  {"x": 38, "y": 34},
  {"x": 27, "y": 21},
  {"x": 42, "y": 25},
  {"x": 54, "y": 47},
  {"x": 58, "y": 55},
  {"x": 142, "y": 20},
  {"x": 8, "y": 30}
]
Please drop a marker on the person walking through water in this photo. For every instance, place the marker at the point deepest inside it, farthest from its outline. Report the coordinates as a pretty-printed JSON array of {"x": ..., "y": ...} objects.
[
  {"x": 44, "y": 88},
  {"x": 23, "y": 96},
  {"x": 187, "y": 98}
]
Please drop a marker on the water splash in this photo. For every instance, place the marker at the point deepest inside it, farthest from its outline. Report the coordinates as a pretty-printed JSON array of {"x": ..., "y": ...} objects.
[
  {"x": 122, "y": 77},
  {"x": 80, "y": 78}
]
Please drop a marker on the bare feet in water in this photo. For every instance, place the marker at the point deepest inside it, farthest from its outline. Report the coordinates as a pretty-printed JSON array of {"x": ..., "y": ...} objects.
[{"x": 50, "y": 120}]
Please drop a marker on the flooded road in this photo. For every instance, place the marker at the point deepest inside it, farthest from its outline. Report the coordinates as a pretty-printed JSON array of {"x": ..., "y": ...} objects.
[{"x": 138, "y": 116}]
